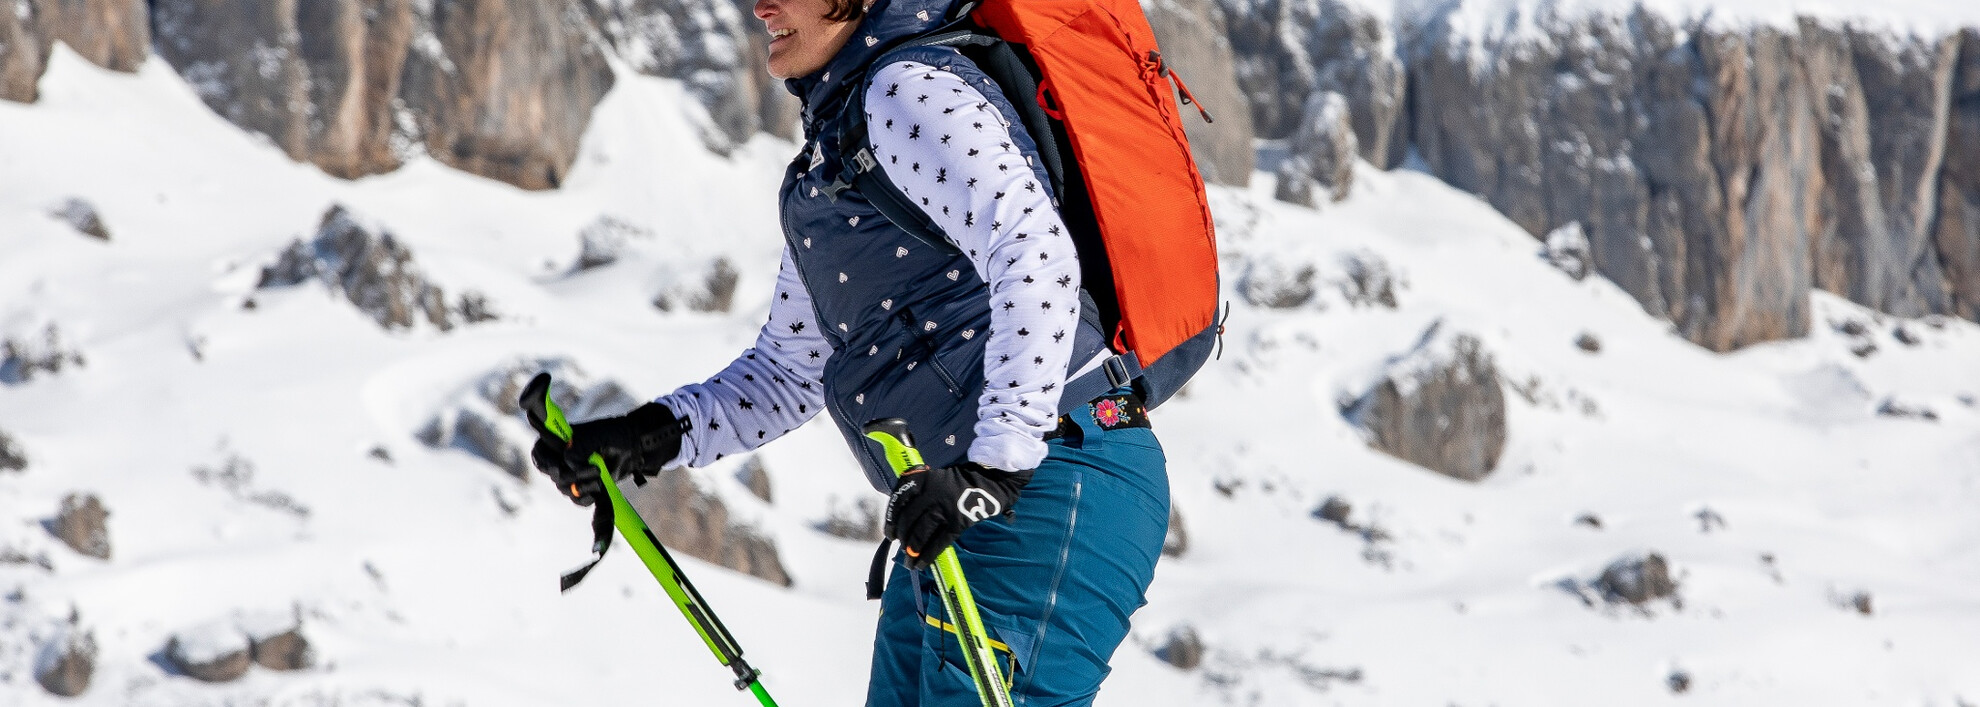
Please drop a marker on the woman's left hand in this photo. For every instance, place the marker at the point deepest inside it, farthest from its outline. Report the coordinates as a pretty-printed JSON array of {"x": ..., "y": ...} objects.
[{"x": 932, "y": 507}]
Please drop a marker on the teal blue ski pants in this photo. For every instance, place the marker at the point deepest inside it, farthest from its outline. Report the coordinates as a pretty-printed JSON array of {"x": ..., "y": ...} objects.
[{"x": 1056, "y": 585}]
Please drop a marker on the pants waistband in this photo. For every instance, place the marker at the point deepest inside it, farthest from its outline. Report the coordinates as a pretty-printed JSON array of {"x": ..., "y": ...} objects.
[{"x": 1112, "y": 412}]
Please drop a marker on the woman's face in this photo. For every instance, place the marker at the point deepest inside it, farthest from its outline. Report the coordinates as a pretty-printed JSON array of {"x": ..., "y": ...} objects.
[{"x": 802, "y": 41}]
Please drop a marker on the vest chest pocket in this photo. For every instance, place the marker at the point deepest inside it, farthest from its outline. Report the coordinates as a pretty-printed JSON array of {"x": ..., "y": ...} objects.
[{"x": 923, "y": 352}]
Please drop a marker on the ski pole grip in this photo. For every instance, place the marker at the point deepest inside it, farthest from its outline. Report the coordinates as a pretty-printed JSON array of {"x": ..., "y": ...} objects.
[{"x": 892, "y": 434}]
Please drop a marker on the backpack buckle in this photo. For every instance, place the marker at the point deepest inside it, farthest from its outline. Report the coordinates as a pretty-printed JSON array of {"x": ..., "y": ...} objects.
[
  {"x": 1117, "y": 372},
  {"x": 831, "y": 191},
  {"x": 863, "y": 161}
]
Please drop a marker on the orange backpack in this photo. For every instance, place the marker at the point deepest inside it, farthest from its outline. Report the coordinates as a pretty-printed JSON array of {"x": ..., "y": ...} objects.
[{"x": 1087, "y": 80}]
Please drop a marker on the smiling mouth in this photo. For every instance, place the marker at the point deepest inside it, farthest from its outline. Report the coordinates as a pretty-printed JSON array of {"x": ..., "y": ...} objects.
[{"x": 776, "y": 34}]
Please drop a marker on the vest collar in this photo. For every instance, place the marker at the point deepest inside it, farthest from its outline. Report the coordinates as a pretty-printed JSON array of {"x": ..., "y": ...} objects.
[{"x": 884, "y": 26}]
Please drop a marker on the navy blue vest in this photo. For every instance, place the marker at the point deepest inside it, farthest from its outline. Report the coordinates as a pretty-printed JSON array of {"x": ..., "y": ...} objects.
[{"x": 907, "y": 320}]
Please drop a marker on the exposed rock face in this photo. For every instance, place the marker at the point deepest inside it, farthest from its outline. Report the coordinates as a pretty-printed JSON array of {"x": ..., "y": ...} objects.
[
  {"x": 1958, "y": 233},
  {"x": 374, "y": 272},
  {"x": 67, "y": 663},
  {"x": 711, "y": 45},
  {"x": 113, "y": 34},
  {"x": 1192, "y": 35},
  {"x": 510, "y": 89},
  {"x": 1291, "y": 50},
  {"x": 1320, "y": 154},
  {"x": 80, "y": 524},
  {"x": 1440, "y": 407},
  {"x": 689, "y": 520},
  {"x": 713, "y": 292},
  {"x": 23, "y": 53},
  {"x": 319, "y": 78},
  {"x": 1273, "y": 285},
  {"x": 500, "y": 88}
]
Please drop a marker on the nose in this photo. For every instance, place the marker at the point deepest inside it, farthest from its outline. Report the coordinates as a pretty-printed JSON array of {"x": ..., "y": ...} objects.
[{"x": 764, "y": 9}]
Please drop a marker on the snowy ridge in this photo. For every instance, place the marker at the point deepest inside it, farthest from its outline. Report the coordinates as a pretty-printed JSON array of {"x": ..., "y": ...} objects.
[
  {"x": 1494, "y": 20},
  {"x": 1769, "y": 479}
]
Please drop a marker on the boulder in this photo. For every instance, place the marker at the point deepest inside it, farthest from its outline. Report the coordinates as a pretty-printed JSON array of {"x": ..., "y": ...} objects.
[
  {"x": 12, "y": 457},
  {"x": 23, "y": 53},
  {"x": 1637, "y": 579},
  {"x": 1183, "y": 649},
  {"x": 287, "y": 650},
  {"x": 1566, "y": 248},
  {"x": 1194, "y": 41},
  {"x": 375, "y": 272},
  {"x": 692, "y": 521},
  {"x": 66, "y": 664},
  {"x": 714, "y": 291},
  {"x": 485, "y": 421},
  {"x": 82, "y": 216},
  {"x": 1271, "y": 284},
  {"x": 1321, "y": 153},
  {"x": 213, "y": 653},
  {"x": 1367, "y": 281},
  {"x": 505, "y": 88},
  {"x": 80, "y": 524},
  {"x": 1439, "y": 406},
  {"x": 601, "y": 243},
  {"x": 113, "y": 34}
]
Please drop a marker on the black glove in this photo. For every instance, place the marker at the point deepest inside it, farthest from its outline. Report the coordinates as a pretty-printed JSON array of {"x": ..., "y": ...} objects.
[
  {"x": 930, "y": 508},
  {"x": 636, "y": 444}
]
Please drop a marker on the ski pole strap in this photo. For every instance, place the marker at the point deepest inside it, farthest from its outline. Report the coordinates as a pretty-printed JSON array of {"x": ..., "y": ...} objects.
[
  {"x": 876, "y": 576},
  {"x": 601, "y": 540}
]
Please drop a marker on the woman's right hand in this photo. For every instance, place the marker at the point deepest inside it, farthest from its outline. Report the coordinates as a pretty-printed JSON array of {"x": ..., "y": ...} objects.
[{"x": 638, "y": 444}]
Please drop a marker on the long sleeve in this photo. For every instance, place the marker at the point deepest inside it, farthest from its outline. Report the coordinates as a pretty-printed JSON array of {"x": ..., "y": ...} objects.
[
  {"x": 942, "y": 142},
  {"x": 767, "y": 391}
]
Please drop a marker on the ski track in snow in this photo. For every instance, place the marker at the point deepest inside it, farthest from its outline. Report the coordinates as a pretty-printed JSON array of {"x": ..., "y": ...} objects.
[{"x": 416, "y": 587}]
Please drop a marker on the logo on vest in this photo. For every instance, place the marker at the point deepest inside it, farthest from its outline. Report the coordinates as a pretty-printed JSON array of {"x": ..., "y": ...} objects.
[{"x": 978, "y": 505}]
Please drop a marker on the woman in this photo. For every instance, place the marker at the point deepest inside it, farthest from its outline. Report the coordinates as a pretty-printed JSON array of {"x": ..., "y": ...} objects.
[{"x": 1057, "y": 508}]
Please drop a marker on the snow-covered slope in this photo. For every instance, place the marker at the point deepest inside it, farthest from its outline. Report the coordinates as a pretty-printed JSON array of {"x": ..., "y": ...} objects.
[{"x": 1767, "y": 478}]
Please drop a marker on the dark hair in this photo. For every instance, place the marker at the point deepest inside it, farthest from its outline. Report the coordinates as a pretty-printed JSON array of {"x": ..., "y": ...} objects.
[{"x": 844, "y": 10}]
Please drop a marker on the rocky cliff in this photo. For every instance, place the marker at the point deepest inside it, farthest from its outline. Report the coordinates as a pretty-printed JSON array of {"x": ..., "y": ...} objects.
[{"x": 1718, "y": 171}]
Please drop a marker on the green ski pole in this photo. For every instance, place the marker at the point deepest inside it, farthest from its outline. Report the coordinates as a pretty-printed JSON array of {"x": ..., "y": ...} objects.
[
  {"x": 957, "y": 600},
  {"x": 614, "y": 510}
]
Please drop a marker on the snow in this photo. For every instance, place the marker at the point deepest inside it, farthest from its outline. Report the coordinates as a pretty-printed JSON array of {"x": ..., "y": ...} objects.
[{"x": 414, "y": 584}]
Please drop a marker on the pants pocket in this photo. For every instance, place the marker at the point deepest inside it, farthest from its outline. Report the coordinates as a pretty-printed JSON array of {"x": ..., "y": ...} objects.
[{"x": 945, "y": 676}]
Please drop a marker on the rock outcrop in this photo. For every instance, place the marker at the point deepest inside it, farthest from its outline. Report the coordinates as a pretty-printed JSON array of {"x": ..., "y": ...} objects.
[
  {"x": 486, "y": 422},
  {"x": 286, "y": 650},
  {"x": 714, "y": 47},
  {"x": 1320, "y": 155},
  {"x": 23, "y": 358},
  {"x": 12, "y": 457},
  {"x": 66, "y": 663},
  {"x": 1957, "y": 236},
  {"x": 113, "y": 34},
  {"x": 209, "y": 654},
  {"x": 82, "y": 216},
  {"x": 23, "y": 53},
  {"x": 1183, "y": 649},
  {"x": 499, "y": 88},
  {"x": 375, "y": 272},
  {"x": 81, "y": 525},
  {"x": 1176, "y": 542},
  {"x": 697, "y": 523},
  {"x": 1194, "y": 41},
  {"x": 1439, "y": 406},
  {"x": 506, "y": 87},
  {"x": 1288, "y": 51},
  {"x": 1637, "y": 579}
]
